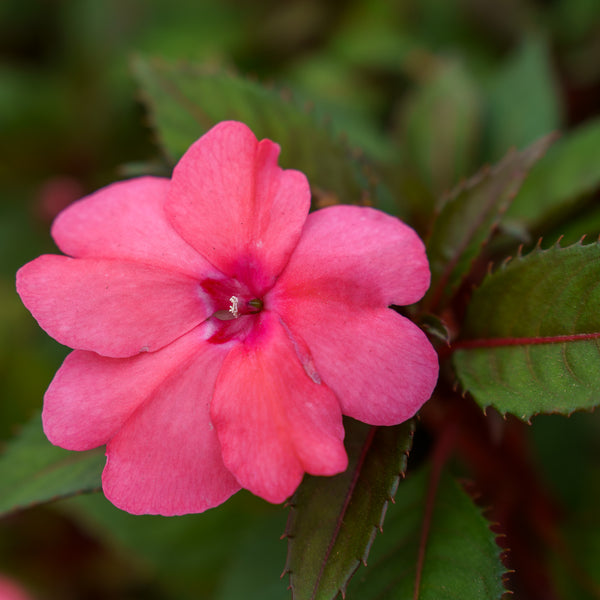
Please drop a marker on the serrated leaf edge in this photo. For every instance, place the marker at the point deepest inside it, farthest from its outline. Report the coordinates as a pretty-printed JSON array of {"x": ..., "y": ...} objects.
[
  {"x": 364, "y": 169},
  {"x": 391, "y": 492},
  {"x": 435, "y": 294},
  {"x": 508, "y": 262}
]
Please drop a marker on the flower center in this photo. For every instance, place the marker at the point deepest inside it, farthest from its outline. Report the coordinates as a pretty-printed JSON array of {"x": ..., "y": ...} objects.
[
  {"x": 231, "y": 300},
  {"x": 238, "y": 308}
]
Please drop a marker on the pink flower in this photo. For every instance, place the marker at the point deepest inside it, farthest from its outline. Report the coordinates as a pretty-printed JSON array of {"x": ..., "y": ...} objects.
[
  {"x": 11, "y": 590},
  {"x": 220, "y": 331}
]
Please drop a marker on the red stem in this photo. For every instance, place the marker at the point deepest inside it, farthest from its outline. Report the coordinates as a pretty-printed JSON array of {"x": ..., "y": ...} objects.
[
  {"x": 441, "y": 453},
  {"x": 517, "y": 341}
]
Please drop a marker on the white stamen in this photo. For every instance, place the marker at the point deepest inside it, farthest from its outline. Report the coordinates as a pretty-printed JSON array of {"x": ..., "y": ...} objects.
[{"x": 233, "y": 308}]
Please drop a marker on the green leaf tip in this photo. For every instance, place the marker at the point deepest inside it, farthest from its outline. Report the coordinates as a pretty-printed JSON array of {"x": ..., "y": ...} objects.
[
  {"x": 32, "y": 471},
  {"x": 468, "y": 218}
]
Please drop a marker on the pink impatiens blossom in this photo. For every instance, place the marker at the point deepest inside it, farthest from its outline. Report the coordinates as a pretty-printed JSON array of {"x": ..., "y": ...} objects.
[
  {"x": 11, "y": 590},
  {"x": 220, "y": 331}
]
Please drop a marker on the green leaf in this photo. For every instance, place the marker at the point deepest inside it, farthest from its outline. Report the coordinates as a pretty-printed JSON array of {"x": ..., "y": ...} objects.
[
  {"x": 574, "y": 22},
  {"x": 194, "y": 556},
  {"x": 568, "y": 452},
  {"x": 578, "y": 572},
  {"x": 441, "y": 125},
  {"x": 32, "y": 471},
  {"x": 531, "y": 335},
  {"x": 460, "y": 558},
  {"x": 470, "y": 216},
  {"x": 570, "y": 170},
  {"x": 254, "y": 570},
  {"x": 523, "y": 100},
  {"x": 186, "y": 101},
  {"x": 334, "y": 520}
]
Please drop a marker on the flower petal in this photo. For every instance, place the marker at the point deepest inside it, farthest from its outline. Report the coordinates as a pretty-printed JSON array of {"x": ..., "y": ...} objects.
[
  {"x": 273, "y": 421},
  {"x": 380, "y": 365},
  {"x": 126, "y": 220},
  {"x": 166, "y": 459},
  {"x": 114, "y": 308},
  {"x": 357, "y": 256},
  {"x": 92, "y": 396},
  {"x": 11, "y": 590},
  {"x": 235, "y": 206}
]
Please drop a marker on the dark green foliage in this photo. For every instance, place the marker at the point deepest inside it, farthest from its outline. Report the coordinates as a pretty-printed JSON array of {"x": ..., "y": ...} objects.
[
  {"x": 460, "y": 558},
  {"x": 32, "y": 471}
]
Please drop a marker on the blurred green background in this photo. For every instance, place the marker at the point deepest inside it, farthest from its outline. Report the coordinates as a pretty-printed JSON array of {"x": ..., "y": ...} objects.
[{"x": 386, "y": 73}]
